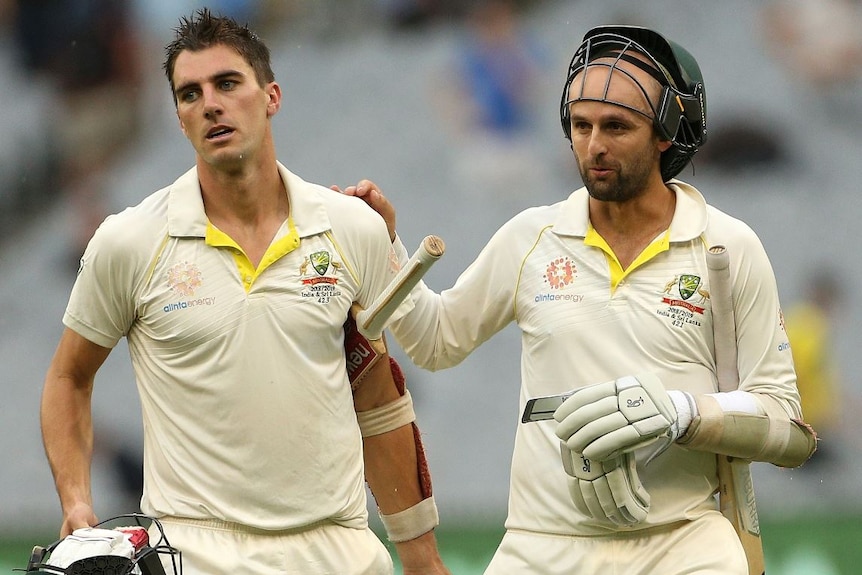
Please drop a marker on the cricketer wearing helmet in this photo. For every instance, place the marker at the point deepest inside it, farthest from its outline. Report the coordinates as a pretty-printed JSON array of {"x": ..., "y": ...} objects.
[{"x": 611, "y": 291}]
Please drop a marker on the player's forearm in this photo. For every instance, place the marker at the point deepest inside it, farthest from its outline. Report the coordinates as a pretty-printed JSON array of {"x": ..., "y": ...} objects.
[
  {"x": 67, "y": 435},
  {"x": 391, "y": 469},
  {"x": 749, "y": 426}
]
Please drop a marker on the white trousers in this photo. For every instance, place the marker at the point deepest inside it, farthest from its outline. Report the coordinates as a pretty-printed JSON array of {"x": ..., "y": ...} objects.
[
  {"x": 217, "y": 547},
  {"x": 706, "y": 546}
]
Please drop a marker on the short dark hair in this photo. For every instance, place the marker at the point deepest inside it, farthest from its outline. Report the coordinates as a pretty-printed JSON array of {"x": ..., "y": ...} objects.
[{"x": 205, "y": 30}]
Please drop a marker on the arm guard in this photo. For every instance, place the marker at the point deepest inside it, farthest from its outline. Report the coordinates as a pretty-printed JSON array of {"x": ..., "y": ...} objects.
[{"x": 772, "y": 436}]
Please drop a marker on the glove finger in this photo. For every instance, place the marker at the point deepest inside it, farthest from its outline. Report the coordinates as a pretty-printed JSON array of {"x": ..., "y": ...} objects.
[
  {"x": 591, "y": 499},
  {"x": 585, "y": 396},
  {"x": 590, "y": 430},
  {"x": 606, "y": 500},
  {"x": 630, "y": 505},
  {"x": 570, "y": 460},
  {"x": 577, "y": 496},
  {"x": 612, "y": 444}
]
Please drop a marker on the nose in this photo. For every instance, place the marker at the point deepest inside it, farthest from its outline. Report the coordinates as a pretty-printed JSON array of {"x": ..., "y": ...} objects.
[
  {"x": 212, "y": 103},
  {"x": 596, "y": 145}
]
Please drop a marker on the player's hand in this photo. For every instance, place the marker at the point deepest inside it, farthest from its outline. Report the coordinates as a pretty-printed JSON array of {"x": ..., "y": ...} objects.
[
  {"x": 77, "y": 516},
  {"x": 371, "y": 194},
  {"x": 606, "y": 490},
  {"x": 420, "y": 556},
  {"x": 604, "y": 420}
]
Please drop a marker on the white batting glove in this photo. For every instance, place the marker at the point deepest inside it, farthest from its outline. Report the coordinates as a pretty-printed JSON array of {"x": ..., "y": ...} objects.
[
  {"x": 604, "y": 420},
  {"x": 607, "y": 490}
]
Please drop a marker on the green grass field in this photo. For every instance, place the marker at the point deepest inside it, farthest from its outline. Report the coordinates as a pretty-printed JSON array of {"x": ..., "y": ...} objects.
[{"x": 798, "y": 546}]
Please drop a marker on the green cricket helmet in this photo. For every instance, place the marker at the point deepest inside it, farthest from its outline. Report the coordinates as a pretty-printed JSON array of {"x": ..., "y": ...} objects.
[{"x": 679, "y": 115}]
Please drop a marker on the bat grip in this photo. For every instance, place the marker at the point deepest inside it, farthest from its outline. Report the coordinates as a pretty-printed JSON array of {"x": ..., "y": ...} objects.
[
  {"x": 371, "y": 320},
  {"x": 724, "y": 328}
]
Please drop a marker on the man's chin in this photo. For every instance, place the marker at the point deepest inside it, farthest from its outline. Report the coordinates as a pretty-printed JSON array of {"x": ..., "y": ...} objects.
[
  {"x": 601, "y": 190},
  {"x": 226, "y": 159}
]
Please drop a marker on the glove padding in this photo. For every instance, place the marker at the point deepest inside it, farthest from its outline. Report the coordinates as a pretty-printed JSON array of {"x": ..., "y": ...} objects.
[
  {"x": 608, "y": 489},
  {"x": 604, "y": 420}
]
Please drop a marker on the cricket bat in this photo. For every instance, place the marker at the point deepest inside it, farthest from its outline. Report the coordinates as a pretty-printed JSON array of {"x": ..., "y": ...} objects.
[
  {"x": 363, "y": 331},
  {"x": 371, "y": 320},
  {"x": 736, "y": 489}
]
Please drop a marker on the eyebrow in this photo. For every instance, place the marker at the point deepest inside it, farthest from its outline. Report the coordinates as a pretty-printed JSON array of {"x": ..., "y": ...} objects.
[
  {"x": 621, "y": 113},
  {"x": 224, "y": 74}
]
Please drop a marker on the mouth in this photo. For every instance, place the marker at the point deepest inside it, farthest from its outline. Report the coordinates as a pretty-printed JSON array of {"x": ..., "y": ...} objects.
[
  {"x": 218, "y": 132},
  {"x": 600, "y": 171}
]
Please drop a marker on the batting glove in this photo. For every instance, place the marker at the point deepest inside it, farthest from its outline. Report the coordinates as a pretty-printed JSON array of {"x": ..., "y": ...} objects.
[
  {"x": 608, "y": 490},
  {"x": 605, "y": 420}
]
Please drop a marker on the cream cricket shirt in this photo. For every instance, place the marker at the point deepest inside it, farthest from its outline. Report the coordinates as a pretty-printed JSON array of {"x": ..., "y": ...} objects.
[
  {"x": 248, "y": 415},
  {"x": 585, "y": 321}
]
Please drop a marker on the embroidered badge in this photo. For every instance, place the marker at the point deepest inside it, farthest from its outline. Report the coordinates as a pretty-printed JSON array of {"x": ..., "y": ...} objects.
[{"x": 320, "y": 287}]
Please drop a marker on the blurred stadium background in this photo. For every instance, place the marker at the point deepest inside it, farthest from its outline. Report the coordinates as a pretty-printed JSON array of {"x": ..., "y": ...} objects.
[{"x": 370, "y": 90}]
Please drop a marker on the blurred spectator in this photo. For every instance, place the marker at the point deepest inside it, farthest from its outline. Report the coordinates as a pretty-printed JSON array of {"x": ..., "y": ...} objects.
[
  {"x": 742, "y": 141},
  {"x": 159, "y": 17},
  {"x": 820, "y": 44},
  {"x": 410, "y": 13},
  {"x": 490, "y": 97},
  {"x": 88, "y": 50},
  {"x": 809, "y": 325},
  {"x": 28, "y": 153}
]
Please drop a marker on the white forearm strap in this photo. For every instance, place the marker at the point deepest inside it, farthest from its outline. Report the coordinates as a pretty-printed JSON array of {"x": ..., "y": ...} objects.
[
  {"x": 773, "y": 437},
  {"x": 387, "y": 417},
  {"x": 412, "y": 522}
]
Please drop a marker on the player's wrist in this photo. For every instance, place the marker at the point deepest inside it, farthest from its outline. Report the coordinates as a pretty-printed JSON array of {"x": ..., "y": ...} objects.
[
  {"x": 686, "y": 411},
  {"x": 413, "y": 522},
  {"x": 421, "y": 555}
]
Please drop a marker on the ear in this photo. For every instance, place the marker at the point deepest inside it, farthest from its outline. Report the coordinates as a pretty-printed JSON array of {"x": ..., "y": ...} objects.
[
  {"x": 273, "y": 92},
  {"x": 664, "y": 145}
]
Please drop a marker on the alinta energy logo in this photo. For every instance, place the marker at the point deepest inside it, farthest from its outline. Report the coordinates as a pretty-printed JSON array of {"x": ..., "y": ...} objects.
[
  {"x": 184, "y": 279},
  {"x": 559, "y": 273}
]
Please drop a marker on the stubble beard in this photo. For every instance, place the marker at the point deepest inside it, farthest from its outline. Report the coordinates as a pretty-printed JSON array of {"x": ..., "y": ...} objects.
[{"x": 625, "y": 183}]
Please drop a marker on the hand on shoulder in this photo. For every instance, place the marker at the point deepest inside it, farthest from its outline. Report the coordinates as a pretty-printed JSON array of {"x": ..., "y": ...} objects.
[{"x": 371, "y": 194}]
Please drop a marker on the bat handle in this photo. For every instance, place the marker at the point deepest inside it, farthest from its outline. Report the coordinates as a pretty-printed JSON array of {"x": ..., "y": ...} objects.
[
  {"x": 370, "y": 321},
  {"x": 717, "y": 257}
]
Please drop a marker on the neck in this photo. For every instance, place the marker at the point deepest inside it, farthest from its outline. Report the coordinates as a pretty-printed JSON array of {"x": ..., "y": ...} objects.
[
  {"x": 629, "y": 227},
  {"x": 649, "y": 212},
  {"x": 246, "y": 192}
]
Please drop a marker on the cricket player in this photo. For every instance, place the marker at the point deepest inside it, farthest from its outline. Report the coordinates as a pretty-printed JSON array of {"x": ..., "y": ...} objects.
[
  {"x": 232, "y": 286},
  {"x": 611, "y": 291}
]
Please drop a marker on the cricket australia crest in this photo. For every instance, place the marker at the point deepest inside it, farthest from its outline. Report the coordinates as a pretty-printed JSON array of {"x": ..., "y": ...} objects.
[
  {"x": 320, "y": 287},
  {"x": 683, "y": 299},
  {"x": 688, "y": 285},
  {"x": 320, "y": 261}
]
